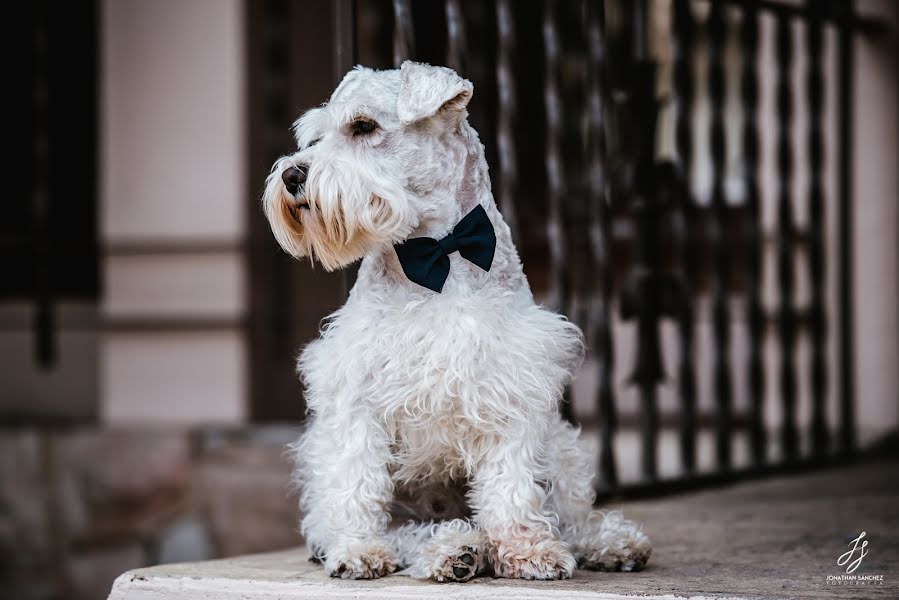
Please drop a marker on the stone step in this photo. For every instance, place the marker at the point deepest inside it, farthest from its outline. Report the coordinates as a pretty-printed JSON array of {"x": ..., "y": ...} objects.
[
  {"x": 779, "y": 537},
  {"x": 288, "y": 575}
]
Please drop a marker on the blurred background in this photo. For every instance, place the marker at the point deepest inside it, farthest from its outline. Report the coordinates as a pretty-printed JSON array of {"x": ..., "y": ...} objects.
[{"x": 708, "y": 188}]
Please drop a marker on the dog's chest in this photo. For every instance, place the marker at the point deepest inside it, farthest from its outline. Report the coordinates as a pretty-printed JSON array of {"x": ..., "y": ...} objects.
[
  {"x": 444, "y": 376},
  {"x": 441, "y": 445},
  {"x": 440, "y": 388}
]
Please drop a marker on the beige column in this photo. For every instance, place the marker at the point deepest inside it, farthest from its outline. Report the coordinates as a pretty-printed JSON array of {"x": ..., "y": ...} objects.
[{"x": 172, "y": 212}]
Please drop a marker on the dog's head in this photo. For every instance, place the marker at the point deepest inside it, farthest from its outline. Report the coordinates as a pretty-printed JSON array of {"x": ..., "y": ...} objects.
[{"x": 379, "y": 161}]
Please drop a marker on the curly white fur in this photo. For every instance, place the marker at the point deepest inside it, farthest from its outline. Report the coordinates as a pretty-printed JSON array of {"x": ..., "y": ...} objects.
[{"x": 409, "y": 387}]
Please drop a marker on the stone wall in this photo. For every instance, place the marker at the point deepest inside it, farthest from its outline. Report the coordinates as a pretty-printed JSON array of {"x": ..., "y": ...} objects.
[{"x": 79, "y": 507}]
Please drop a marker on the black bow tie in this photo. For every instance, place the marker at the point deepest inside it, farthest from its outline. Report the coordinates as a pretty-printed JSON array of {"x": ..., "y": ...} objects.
[{"x": 426, "y": 260}]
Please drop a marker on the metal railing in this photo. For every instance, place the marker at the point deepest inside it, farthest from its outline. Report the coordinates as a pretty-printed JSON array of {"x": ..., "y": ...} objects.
[{"x": 596, "y": 84}]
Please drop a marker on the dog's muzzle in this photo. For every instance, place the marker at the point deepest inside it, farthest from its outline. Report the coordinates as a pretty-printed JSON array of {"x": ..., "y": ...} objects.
[{"x": 293, "y": 178}]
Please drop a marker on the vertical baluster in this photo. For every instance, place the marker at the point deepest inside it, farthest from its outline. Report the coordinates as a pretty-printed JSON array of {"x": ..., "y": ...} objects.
[
  {"x": 506, "y": 115},
  {"x": 554, "y": 177},
  {"x": 344, "y": 60},
  {"x": 787, "y": 323},
  {"x": 684, "y": 32},
  {"x": 754, "y": 316},
  {"x": 555, "y": 234},
  {"x": 720, "y": 297},
  {"x": 647, "y": 286},
  {"x": 455, "y": 37},
  {"x": 600, "y": 230},
  {"x": 815, "y": 95},
  {"x": 344, "y": 37},
  {"x": 403, "y": 34},
  {"x": 847, "y": 333}
]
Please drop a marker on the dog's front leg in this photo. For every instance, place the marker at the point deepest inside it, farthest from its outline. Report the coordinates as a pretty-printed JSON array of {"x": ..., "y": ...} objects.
[
  {"x": 347, "y": 490},
  {"x": 508, "y": 499}
]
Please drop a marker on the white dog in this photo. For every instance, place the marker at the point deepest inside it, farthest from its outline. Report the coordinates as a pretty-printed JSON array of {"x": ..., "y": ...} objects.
[{"x": 452, "y": 383}]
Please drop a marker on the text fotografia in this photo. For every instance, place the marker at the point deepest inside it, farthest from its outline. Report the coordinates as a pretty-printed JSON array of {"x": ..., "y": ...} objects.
[{"x": 855, "y": 580}]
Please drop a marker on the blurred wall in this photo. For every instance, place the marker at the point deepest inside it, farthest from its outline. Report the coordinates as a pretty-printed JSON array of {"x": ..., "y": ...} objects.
[
  {"x": 877, "y": 222},
  {"x": 67, "y": 391},
  {"x": 172, "y": 212}
]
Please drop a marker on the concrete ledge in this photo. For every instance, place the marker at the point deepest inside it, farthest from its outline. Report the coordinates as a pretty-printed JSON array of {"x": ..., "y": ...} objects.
[
  {"x": 288, "y": 575},
  {"x": 777, "y": 538}
]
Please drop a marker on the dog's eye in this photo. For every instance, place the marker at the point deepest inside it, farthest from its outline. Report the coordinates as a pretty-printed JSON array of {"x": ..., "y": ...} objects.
[
  {"x": 314, "y": 142},
  {"x": 362, "y": 127}
]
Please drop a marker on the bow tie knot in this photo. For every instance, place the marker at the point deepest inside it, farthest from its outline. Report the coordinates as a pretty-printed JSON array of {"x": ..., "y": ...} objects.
[
  {"x": 449, "y": 244},
  {"x": 425, "y": 261}
]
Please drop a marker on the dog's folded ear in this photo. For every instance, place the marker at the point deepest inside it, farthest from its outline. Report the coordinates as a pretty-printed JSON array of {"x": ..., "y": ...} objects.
[{"x": 425, "y": 90}]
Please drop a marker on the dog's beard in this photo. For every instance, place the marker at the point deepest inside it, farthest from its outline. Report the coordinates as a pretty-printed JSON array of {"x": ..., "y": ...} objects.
[{"x": 345, "y": 215}]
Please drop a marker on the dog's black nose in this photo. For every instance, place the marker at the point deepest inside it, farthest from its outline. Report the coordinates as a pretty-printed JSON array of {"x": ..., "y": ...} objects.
[{"x": 293, "y": 178}]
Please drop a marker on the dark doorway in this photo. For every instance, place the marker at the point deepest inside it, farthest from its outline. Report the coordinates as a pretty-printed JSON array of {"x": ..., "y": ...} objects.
[{"x": 287, "y": 298}]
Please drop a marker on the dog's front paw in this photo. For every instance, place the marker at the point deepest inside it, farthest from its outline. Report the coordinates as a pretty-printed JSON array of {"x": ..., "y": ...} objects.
[
  {"x": 619, "y": 546},
  {"x": 361, "y": 560},
  {"x": 460, "y": 566},
  {"x": 456, "y": 552},
  {"x": 524, "y": 557}
]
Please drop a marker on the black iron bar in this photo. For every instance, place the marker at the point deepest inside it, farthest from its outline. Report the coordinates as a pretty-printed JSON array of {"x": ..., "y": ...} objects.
[
  {"x": 555, "y": 180},
  {"x": 815, "y": 97},
  {"x": 403, "y": 32},
  {"x": 721, "y": 280},
  {"x": 600, "y": 235},
  {"x": 787, "y": 322},
  {"x": 846, "y": 238},
  {"x": 344, "y": 37},
  {"x": 684, "y": 36},
  {"x": 456, "y": 48},
  {"x": 754, "y": 313},
  {"x": 344, "y": 60},
  {"x": 506, "y": 115},
  {"x": 684, "y": 40},
  {"x": 646, "y": 283}
]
